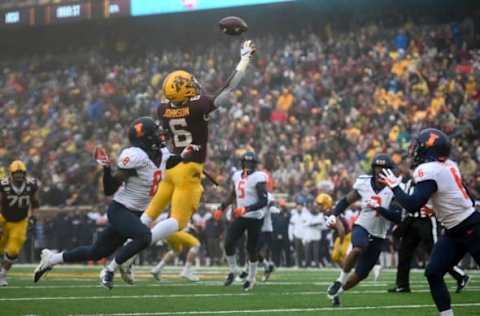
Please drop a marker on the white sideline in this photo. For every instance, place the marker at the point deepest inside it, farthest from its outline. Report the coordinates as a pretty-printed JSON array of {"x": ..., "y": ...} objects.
[
  {"x": 148, "y": 296},
  {"x": 280, "y": 310}
]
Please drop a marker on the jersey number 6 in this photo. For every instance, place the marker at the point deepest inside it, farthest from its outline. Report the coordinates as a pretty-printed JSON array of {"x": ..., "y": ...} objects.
[{"x": 181, "y": 136}]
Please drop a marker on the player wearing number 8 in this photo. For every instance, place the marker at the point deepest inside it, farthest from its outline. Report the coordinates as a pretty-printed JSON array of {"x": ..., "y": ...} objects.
[
  {"x": 186, "y": 117},
  {"x": 136, "y": 179},
  {"x": 438, "y": 181}
]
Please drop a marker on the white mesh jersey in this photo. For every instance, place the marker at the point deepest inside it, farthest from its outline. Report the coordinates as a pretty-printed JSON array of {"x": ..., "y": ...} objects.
[
  {"x": 375, "y": 224},
  {"x": 135, "y": 193},
  {"x": 246, "y": 192},
  {"x": 451, "y": 203}
]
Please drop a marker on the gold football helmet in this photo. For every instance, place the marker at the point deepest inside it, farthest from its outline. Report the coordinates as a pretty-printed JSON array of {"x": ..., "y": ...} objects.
[
  {"x": 324, "y": 200},
  {"x": 180, "y": 85},
  {"x": 18, "y": 171}
]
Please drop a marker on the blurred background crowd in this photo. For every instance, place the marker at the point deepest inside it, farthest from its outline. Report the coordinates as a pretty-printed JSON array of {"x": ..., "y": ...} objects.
[{"x": 318, "y": 103}]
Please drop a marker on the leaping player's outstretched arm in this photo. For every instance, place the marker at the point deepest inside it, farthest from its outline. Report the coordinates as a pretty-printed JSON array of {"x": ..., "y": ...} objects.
[{"x": 246, "y": 52}]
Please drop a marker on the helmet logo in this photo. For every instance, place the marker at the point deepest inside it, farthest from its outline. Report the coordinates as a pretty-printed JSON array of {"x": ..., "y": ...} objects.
[
  {"x": 179, "y": 82},
  {"x": 139, "y": 129},
  {"x": 431, "y": 140}
]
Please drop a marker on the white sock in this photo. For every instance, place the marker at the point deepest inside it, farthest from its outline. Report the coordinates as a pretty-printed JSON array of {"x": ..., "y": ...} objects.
[
  {"x": 342, "y": 278},
  {"x": 159, "y": 267},
  {"x": 3, "y": 271},
  {"x": 164, "y": 229},
  {"x": 56, "y": 258},
  {"x": 146, "y": 219},
  {"x": 448, "y": 312},
  {"x": 252, "y": 270},
  {"x": 232, "y": 263},
  {"x": 188, "y": 265},
  {"x": 112, "y": 266}
]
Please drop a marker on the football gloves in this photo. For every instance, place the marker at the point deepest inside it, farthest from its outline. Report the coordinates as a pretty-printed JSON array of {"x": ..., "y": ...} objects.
[
  {"x": 331, "y": 221},
  {"x": 189, "y": 150},
  {"x": 388, "y": 178},
  {"x": 102, "y": 157},
  {"x": 238, "y": 212},
  {"x": 247, "y": 50},
  {"x": 217, "y": 214}
]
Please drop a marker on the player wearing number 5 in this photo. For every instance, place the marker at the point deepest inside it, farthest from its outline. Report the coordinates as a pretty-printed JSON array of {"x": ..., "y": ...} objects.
[
  {"x": 18, "y": 194},
  {"x": 369, "y": 231},
  {"x": 132, "y": 185},
  {"x": 186, "y": 117}
]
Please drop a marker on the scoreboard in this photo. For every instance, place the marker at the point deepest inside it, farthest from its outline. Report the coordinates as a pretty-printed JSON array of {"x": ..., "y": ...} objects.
[
  {"x": 48, "y": 12},
  {"x": 64, "y": 11}
]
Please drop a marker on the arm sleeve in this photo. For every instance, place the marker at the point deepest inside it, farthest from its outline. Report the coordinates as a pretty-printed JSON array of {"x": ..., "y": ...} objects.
[
  {"x": 261, "y": 188},
  {"x": 110, "y": 184},
  {"x": 393, "y": 214},
  {"x": 341, "y": 206},
  {"x": 420, "y": 196},
  {"x": 232, "y": 82}
]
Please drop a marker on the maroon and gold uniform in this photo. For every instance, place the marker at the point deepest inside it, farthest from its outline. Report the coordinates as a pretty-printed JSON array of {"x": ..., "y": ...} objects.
[
  {"x": 341, "y": 248},
  {"x": 181, "y": 185},
  {"x": 15, "y": 207}
]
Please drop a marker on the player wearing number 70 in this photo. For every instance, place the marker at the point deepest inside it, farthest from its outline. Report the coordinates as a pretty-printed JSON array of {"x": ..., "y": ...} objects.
[
  {"x": 185, "y": 117},
  {"x": 438, "y": 181},
  {"x": 136, "y": 179}
]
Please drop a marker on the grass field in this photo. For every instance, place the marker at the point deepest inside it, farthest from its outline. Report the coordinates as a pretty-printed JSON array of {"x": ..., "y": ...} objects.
[{"x": 75, "y": 291}]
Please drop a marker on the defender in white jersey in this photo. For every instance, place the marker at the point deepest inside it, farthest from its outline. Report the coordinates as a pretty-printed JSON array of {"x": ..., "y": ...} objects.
[
  {"x": 438, "y": 179},
  {"x": 250, "y": 193},
  {"x": 369, "y": 231},
  {"x": 135, "y": 181},
  {"x": 265, "y": 241}
]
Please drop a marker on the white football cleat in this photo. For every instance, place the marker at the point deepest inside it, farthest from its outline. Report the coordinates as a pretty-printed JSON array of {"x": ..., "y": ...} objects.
[
  {"x": 126, "y": 272},
  {"x": 189, "y": 275},
  {"x": 249, "y": 285},
  {"x": 44, "y": 266}
]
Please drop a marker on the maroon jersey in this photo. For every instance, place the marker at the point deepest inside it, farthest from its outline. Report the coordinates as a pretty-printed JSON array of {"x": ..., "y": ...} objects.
[
  {"x": 188, "y": 124},
  {"x": 16, "y": 202}
]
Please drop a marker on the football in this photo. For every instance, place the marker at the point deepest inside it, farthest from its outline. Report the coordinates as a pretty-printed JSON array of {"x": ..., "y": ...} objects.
[{"x": 232, "y": 25}]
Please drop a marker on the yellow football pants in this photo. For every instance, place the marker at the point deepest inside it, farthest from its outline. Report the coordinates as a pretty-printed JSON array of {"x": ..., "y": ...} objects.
[
  {"x": 182, "y": 240},
  {"x": 182, "y": 188},
  {"x": 340, "y": 249},
  {"x": 13, "y": 237}
]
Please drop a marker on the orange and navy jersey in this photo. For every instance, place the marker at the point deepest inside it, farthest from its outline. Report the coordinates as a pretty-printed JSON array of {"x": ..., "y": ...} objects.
[
  {"x": 16, "y": 201},
  {"x": 188, "y": 124}
]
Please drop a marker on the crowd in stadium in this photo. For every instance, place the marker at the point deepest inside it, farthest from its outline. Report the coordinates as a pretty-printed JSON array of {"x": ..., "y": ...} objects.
[{"x": 315, "y": 108}]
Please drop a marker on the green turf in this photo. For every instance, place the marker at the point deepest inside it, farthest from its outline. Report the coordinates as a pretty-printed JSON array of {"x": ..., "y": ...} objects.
[{"x": 74, "y": 291}]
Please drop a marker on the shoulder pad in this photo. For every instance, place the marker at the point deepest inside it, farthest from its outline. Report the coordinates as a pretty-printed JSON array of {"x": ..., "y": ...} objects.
[
  {"x": 361, "y": 182},
  {"x": 426, "y": 171},
  {"x": 132, "y": 158},
  {"x": 4, "y": 181}
]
